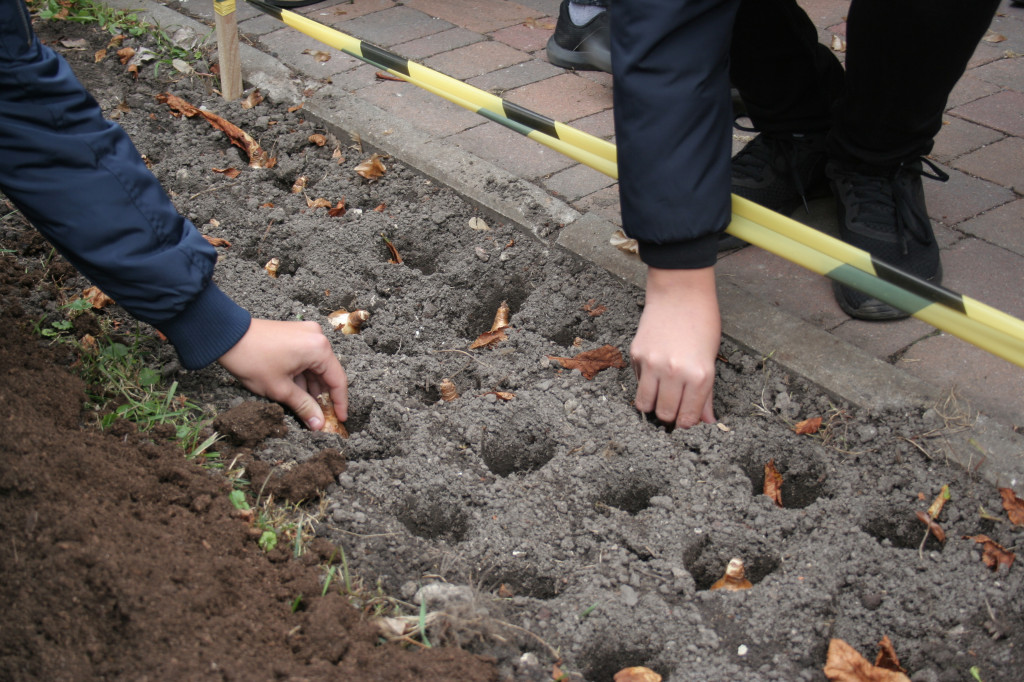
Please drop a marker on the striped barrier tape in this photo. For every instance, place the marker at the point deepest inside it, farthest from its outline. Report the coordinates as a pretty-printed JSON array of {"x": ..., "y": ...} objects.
[{"x": 975, "y": 322}]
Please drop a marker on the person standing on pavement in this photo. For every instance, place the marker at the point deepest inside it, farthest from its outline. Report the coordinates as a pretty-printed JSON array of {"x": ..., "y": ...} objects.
[
  {"x": 79, "y": 180},
  {"x": 862, "y": 130}
]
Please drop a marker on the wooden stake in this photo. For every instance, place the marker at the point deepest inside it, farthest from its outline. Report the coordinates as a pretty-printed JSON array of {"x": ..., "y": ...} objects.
[{"x": 227, "y": 49}]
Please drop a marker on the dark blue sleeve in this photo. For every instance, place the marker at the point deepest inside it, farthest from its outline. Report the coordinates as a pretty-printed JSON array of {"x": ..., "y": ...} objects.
[
  {"x": 673, "y": 122},
  {"x": 79, "y": 179}
]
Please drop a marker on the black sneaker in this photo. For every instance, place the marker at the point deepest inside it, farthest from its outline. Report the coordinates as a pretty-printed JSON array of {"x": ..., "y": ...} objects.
[
  {"x": 586, "y": 47},
  {"x": 781, "y": 171},
  {"x": 884, "y": 214}
]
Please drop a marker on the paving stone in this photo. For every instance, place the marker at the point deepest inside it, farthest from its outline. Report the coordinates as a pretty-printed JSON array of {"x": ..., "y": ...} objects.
[
  {"x": 421, "y": 48},
  {"x": 1001, "y": 226},
  {"x": 482, "y": 16},
  {"x": 603, "y": 203},
  {"x": 985, "y": 272},
  {"x": 563, "y": 98},
  {"x": 576, "y": 182},
  {"x": 332, "y": 11},
  {"x": 883, "y": 339},
  {"x": 601, "y": 124},
  {"x": 298, "y": 50},
  {"x": 529, "y": 36},
  {"x": 476, "y": 59},
  {"x": 1002, "y": 72},
  {"x": 962, "y": 197},
  {"x": 501, "y": 81},
  {"x": 968, "y": 89},
  {"x": 389, "y": 27},
  {"x": 1001, "y": 162},
  {"x": 1003, "y": 111},
  {"x": 423, "y": 109},
  {"x": 958, "y": 137},
  {"x": 511, "y": 151}
]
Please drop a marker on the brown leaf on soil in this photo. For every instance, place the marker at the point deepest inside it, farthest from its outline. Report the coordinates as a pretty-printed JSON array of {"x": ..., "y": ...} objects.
[
  {"x": 1013, "y": 505},
  {"x": 272, "y": 266},
  {"x": 371, "y": 168},
  {"x": 489, "y": 339},
  {"x": 379, "y": 208},
  {"x": 293, "y": 109},
  {"x": 387, "y": 77},
  {"x": 808, "y": 426},
  {"x": 590, "y": 362},
  {"x": 933, "y": 526},
  {"x": 348, "y": 322},
  {"x": 502, "y": 395},
  {"x": 500, "y": 317},
  {"x": 623, "y": 243},
  {"x": 887, "y": 657},
  {"x": 992, "y": 553},
  {"x": 299, "y": 184},
  {"x": 318, "y": 139},
  {"x": 317, "y": 203},
  {"x": 217, "y": 241},
  {"x": 773, "y": 482},
  {"x": 318, "y": 55},
  {"x": 338, "y": 210},
  {"x": 845, "y": 664},
  {"x": 229, "y": 172},
  {"x": 337, "y": 155},
  {"x": 396, "y": 258},
  {"x": 99, "y": 56},
  {"x": 133, "y": 69},
  {"x": 505, "y": 592},
  {"x": 125, "y": 53},
  {"x": 254, "y": 98},
  {"x": 734, "y": 579},
  {"x": 637, "y": 673},
  {"x": 591, "y": 308},
  {"x": 448, "y": 390},
  {"x": 258, "y": 158},
  {"x": 89, "y": 342},
  {"x": 97, "y": 298},
  {"x": 331, "y": 423}
]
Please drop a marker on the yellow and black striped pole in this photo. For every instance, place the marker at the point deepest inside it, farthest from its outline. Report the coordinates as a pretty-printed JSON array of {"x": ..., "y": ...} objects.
[{"x": 973, "y": 321}]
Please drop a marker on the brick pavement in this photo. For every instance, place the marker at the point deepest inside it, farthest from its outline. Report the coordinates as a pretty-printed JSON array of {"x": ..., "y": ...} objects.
[{"x": 498, "y": 45}]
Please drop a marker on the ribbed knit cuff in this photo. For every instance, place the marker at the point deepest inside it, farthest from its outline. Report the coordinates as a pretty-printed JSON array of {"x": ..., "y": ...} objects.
[
  {"x": 692, "y": 254},
  {"x": 209, "y": 327}
]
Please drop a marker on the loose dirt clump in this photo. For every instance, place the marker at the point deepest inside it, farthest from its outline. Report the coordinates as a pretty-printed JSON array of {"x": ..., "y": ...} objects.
[{"x": 536, "y": 518}]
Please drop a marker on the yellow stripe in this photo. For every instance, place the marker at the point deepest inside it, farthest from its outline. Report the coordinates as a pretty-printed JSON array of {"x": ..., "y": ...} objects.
[{"x": 224, "y": 7}]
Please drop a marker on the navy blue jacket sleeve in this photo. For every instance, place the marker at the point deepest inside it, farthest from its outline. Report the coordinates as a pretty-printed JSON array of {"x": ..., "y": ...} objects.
[
  {"x": 673, "y": 122},
  {"x": 79, "y": 179}
]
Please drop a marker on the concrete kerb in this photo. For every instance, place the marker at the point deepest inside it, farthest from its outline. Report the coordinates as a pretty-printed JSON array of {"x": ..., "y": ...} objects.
[{"x": 991, "y": 448}]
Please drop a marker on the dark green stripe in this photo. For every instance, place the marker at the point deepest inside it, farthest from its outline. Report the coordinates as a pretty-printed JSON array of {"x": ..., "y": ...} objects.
[
  {"x": 384, "y": 58},
  {"x": 530, "y": 119},
  {"x": 878, "y": 288},
  {"x": 269, "y": 9},
  {"x": 926, "y": 290},
  {"x": 508, "y": 123}
]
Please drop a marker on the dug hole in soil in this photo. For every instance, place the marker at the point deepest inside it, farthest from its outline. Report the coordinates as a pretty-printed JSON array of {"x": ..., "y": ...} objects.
[{"x": 538, "y": 516}]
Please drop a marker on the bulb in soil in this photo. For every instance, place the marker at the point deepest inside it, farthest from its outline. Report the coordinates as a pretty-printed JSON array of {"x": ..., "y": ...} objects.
[
  {"x": 448, "y": 390},
  {"x": 734, "y": 578},
  {"x": 331, "y": 423},
  {"x": 272, "y": 266},
  {"x": 348, "y": 322},
  {"x": 501, "y": 317}
]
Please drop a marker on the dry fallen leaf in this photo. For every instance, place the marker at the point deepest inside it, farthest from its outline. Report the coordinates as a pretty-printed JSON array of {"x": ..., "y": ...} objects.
[
  {"x": 993, "y": 37},
  {"x": 338, "y": 210},
  {"x": 448, "y": 390},
  {"x": 75, "y": 43},
  {"x": 337, "y": 155},
  {"x": 319, "y": 202},
  {"x": 505, "y": 592},
  {"x": 331, "y": 423},
  {"x": 489, "y": 339},
  {"x": 590, "y": 362},
  {"x": 272, "y": 266},
  {"x": 838, "y": 44},
  {"x": 318, "y": 139},
  {"x": 252, "y": 100},
  {"x": 371, "y": 168},
  {"x": 387, "y": 77},
  {"x": 591, "y": 308},
  {"x": 637, "y": 673},
  {"x": 734, "y": 578},
  {"x": 89, "y": 342},
  {"x": 547, "y": 24},
  {"x": 1013, "y": 505},
  {"x": 502, "y": 395},
  {"x": 125, "y": 53},
  {"x": 992, "y": 553},
  {"x": 808, "y": 426},
  {"x": 379, "y": 208},
  {"x": 97, "y": 298},
  {"x": 348, "y": 322},
  {"x": 773, "y": 482},
  {"x": 388, "y": 627},
  {"x": 229, "y": 172},
  {"x": 217, "y": 241},
  {"x": 887, "y": 657},
  {"x": 99, "y": 56},
  {"x": 299, "y": 184},
  {"x": 845, "y": 664},
  {"x": 293, "y": 109},
  {"x": 318, "y": 55},
  {"x": 933, "y": 526},
  {"x": 478, "y": 224},
  {"x": 623, "y": 243},
  {"x": 940, "y": 500},
  {"x": 258, "y": 158},
  {"x": 396, "y": 258}
]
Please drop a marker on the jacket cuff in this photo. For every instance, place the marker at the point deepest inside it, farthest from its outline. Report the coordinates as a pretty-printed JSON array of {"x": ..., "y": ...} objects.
[
  {"x": 209, "y": 327},
  {"x": 692, "y": 254}
]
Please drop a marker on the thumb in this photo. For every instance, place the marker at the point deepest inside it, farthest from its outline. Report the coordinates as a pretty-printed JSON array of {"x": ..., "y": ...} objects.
[
  {"x": 304, "y": 406},
  {"x": 708, "y": 415}
]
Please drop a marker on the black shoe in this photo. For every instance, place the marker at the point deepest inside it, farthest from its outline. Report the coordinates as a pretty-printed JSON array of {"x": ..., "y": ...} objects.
[
  {"x": 884, "y": 213},
  {"x": 781, "y": 171},
  {"x": 586, "y": 47}
]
